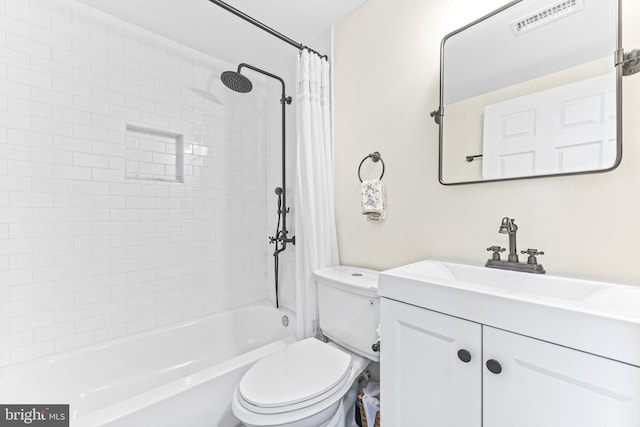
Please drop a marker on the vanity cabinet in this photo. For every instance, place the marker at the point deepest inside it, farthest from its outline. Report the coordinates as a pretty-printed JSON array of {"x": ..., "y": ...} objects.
[
  {"x": 439, "y": 370},
  {"x": 423, "y": 381}
]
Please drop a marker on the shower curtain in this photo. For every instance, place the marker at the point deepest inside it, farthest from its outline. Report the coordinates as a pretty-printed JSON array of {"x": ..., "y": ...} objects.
[{"x": 315, "y": 218}]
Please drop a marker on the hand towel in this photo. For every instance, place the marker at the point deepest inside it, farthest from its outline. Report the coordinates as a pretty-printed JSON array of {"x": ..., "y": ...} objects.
[{"x": 372, "y": 200}]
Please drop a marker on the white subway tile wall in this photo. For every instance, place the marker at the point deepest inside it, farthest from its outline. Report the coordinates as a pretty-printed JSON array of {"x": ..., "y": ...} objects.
[{"x": 87, "y": 255}]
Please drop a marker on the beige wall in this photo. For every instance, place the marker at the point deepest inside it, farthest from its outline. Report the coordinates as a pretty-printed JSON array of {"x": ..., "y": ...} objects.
[{"x": 386, "y": 76}]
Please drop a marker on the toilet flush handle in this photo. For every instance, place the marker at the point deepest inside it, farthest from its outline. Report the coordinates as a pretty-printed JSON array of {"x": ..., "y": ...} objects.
[{"x": 376, "y": 346}]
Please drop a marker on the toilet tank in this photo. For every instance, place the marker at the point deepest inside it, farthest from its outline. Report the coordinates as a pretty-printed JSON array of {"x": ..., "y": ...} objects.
[{"x": 349, "y": 307}]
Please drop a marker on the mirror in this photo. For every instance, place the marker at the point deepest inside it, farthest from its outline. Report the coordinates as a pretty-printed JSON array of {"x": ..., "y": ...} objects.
[{"x": 531, "y": 90}]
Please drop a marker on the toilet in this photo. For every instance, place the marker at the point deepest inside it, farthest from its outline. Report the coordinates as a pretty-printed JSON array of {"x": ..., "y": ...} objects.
[{"x": 311, "y": 383}]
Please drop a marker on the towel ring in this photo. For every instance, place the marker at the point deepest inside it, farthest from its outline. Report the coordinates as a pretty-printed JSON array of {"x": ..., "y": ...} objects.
[{"x": 375, "y": 156}]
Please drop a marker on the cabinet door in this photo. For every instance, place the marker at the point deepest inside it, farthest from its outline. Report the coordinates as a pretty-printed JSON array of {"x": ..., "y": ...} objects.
[
  {"x": 423, "y": 381},
  {"x": 546, "y": 385}
]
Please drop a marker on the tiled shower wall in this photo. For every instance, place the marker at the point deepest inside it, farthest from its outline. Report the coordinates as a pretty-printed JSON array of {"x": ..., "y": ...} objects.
[{"x": 100, "y": 237}]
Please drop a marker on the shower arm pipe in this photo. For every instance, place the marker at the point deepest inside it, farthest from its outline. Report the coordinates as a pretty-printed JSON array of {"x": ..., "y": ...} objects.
[
  {"x": 284, "y": 100},
  {"x": 263, "y": 27}
]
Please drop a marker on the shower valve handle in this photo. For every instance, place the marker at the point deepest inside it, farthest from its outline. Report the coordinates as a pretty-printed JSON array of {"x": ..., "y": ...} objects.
[{"x": 281, "y": 211}]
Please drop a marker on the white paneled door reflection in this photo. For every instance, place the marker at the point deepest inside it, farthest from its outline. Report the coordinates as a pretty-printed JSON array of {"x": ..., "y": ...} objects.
[{"x": 565, "y": 129}]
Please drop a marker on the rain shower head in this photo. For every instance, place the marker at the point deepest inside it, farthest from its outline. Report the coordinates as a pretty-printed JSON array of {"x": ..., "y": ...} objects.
[{"x": 236, "y": 81}]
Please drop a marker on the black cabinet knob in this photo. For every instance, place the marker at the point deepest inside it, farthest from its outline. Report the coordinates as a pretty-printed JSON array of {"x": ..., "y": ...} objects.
[
  {"x": 494, "y": 366},
  {"x": 464, "y": 355}
]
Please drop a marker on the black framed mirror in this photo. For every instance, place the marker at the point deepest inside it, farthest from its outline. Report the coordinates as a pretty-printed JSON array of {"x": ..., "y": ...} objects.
[{"x": 532, "y": 89}]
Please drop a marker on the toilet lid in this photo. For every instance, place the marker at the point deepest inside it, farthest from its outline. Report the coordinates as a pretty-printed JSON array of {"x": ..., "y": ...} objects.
[{"x": 299, "y": 372}]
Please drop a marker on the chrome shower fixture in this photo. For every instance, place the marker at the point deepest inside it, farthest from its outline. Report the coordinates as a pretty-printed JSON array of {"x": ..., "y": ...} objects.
[{"x": 238, "y": 82}]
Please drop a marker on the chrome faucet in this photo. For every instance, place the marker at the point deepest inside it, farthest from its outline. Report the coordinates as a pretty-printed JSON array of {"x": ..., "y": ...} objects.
[{"x": 508, "y": 226}]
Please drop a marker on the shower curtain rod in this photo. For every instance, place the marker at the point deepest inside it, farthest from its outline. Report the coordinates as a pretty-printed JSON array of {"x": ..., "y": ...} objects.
[{"x": 264, "y": 27}]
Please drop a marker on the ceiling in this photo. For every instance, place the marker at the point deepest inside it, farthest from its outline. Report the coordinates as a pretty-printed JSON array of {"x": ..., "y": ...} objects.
[{"x": 213, "y": 30}]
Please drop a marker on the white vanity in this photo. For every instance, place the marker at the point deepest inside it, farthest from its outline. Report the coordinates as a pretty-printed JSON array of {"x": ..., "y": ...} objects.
[{"x": 468, "y": 346}]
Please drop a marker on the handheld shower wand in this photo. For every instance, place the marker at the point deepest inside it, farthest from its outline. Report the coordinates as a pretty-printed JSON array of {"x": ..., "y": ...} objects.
[{"x": 279, "y": 194}]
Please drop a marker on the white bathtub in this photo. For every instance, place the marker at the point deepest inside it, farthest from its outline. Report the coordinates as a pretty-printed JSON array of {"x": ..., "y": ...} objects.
[{"x": 179, "y": 375}]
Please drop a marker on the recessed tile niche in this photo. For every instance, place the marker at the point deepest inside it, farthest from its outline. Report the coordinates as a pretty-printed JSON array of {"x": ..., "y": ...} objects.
[{"x": 154, "y": 154}]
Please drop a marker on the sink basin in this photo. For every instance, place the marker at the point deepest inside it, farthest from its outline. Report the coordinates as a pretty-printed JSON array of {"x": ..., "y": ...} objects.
[
  {"x": 623, "y": 300},
  {"x": 594, "y": 316},
  {"x": 503, "y": 281}
]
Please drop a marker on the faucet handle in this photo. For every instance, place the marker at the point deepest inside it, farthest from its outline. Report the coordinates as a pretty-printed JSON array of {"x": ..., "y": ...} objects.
[
  {"x": 496, "y": 252},
  {"x": 532, "y": 255}
]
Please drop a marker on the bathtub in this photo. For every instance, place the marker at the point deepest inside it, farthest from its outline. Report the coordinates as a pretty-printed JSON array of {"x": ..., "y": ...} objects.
[{"x": 184, "y": 374}]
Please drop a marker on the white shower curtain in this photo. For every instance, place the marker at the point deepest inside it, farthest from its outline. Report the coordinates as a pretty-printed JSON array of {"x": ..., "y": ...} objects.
[{"x": 316, "y": 240}]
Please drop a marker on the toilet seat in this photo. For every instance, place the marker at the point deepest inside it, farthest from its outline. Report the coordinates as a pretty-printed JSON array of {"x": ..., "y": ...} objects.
[{"x": 300, "y": 375}]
